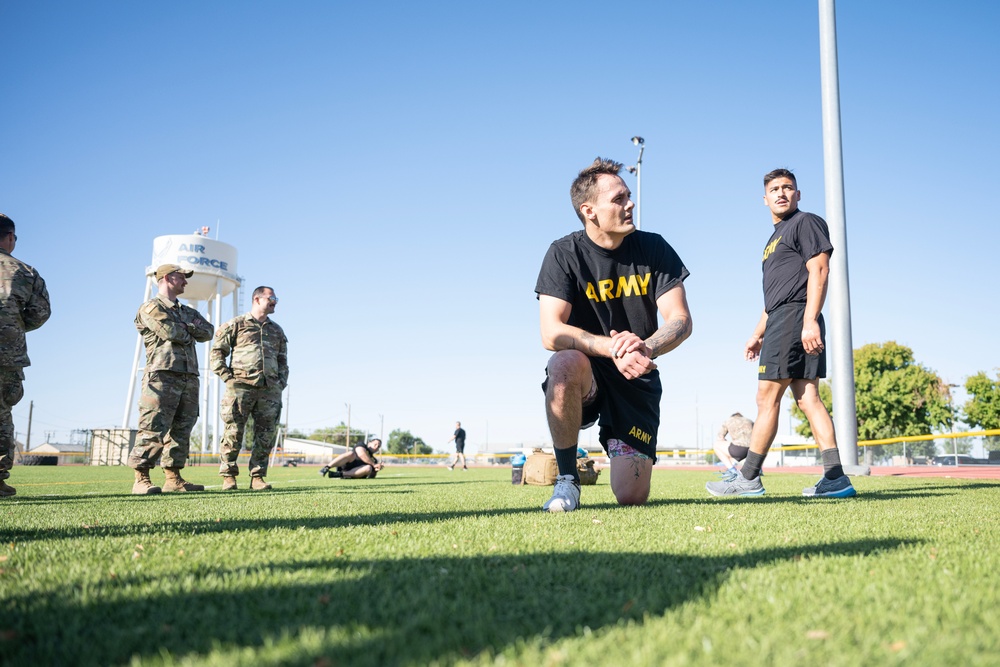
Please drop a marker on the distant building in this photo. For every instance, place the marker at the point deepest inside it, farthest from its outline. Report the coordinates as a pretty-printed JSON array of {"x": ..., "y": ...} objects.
[
  {"x": 67, "y": 452},
  {"x": 313, "y": 451}
]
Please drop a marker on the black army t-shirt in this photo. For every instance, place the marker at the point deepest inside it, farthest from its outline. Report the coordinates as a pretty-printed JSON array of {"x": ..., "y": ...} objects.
[
  {"x": 611, "y": 289},
  {"x": 796, "y": 239},
  {"x": 616, "y": 289}
]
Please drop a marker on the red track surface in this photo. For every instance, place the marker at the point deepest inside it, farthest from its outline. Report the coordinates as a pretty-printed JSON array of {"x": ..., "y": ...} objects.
[{"x": 953, "y": 472}]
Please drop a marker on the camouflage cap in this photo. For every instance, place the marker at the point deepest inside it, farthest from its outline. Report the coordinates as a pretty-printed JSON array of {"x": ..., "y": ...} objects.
[{"x": 164, "y": 269}]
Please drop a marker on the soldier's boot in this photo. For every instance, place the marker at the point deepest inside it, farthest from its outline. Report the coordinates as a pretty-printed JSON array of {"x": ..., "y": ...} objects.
[
  {"x": 6, "y": 489},
  {"x": 176, "y": 483},
  {"x": 144, "y": 485},
  {"x": 228, "y": 483},
  {"x": 258, "y": 484}
]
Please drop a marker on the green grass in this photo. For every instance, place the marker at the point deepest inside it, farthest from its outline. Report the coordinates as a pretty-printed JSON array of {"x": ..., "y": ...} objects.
[{"x": 422, "y": 566}]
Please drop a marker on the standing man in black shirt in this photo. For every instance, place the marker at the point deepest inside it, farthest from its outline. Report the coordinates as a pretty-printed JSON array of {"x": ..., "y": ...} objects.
[
  {"x": 788, "y": 340},
  {"x": 459, "y": 438},
  {"x": 599, "y": 292}
]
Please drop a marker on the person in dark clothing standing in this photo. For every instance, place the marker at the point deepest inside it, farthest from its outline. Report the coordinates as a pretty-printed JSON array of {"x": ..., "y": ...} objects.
[
  {"x": 788, "y": 340},
  {"x": 459, "y": 438}
]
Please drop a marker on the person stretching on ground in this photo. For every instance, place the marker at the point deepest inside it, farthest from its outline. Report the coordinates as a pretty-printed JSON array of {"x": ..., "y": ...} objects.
[{"x": 357, "y": 463}]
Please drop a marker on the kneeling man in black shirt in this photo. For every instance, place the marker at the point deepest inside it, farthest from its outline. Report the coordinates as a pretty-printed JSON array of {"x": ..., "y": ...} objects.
[{"x": 599, "y": 292}]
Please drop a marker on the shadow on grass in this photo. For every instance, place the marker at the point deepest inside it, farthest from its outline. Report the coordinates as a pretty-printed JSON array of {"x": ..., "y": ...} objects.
[
  {"x": 412, "y": 611},
  {"x": 224, "y": 525},
  {"x": 175, "y": 504}
]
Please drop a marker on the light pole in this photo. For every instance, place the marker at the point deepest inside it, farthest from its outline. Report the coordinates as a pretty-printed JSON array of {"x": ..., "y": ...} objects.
[
  {"x": 347, "y": 440},
  {"x": 637, "y": 170},
  {"x": 951, "y": 422}
]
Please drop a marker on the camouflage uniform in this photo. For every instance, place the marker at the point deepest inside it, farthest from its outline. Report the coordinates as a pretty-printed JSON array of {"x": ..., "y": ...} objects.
[
  {"x": 168, "y": 406},
  {"x": 255, "y": 378},
  {"x": 24, "y": 306}
]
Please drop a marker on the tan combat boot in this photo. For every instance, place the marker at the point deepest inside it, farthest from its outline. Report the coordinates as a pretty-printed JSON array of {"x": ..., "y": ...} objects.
[
  {"x": 176, "y": 483},
  {"x": 143, "y": 484},
  {"x": 228, "y": 483},
  {"x": 258, "y": 484},
  {"x": 6, "y": 490}
]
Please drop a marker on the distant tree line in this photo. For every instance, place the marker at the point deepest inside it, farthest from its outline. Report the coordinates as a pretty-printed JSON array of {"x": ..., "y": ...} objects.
[{"x": 897, "y": 396}]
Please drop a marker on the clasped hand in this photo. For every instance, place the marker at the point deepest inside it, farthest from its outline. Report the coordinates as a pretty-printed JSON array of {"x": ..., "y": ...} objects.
[{"x": 630, "y": 354}]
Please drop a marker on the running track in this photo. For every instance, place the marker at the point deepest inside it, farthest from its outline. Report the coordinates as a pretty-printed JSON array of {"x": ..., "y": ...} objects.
[{"x": 991, "y": 472}]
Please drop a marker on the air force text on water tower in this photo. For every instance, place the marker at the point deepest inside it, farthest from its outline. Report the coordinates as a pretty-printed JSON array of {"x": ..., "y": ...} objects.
[
  {"x": 213, "y": 262},
  {"x": 199, "y": 259}
]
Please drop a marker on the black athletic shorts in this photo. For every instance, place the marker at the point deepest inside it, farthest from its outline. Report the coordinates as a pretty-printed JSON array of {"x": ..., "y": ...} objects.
[
  {"x": 782, "y": 355},
  {"x": 737, "y": 452},
  {"x": 627, "y": 410},
  {"x": 459, "y": 447}
]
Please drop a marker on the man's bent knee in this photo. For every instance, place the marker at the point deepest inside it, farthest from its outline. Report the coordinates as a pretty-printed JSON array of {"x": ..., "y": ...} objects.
[
  {"x": 633, "y": 495},
  {"x": 630, "y": 473},
  {"x": 568, "y": 365}
]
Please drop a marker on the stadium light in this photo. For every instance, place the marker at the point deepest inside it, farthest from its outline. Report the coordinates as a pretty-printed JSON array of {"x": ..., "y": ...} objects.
[{"x": 637, "y": 170}]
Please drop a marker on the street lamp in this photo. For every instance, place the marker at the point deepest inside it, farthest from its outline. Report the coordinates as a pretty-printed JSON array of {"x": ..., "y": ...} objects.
[
  {"x": 951, "y": 422},
  {"x": 637, "y": 170}
]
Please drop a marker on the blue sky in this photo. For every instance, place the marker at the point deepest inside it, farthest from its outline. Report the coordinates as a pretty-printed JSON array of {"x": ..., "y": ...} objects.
[{"x": 397, "y": 170}]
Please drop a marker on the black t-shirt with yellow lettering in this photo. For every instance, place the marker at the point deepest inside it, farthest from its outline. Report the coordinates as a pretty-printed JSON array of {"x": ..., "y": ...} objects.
[
  {"x": 611, "y": 289},
  {"x": 616, "y": 289},
  {"x": 796, "y": 239}
]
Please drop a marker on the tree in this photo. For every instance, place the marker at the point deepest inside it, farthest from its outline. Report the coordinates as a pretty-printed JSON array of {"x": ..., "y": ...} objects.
[
  {"x": 825, "y": 395},
  {"x": 895, "y": 397},
  {"x": 403, "y": 442},
  {"x": 337, "y": 435},
  {"x": 982, "y": 410}
]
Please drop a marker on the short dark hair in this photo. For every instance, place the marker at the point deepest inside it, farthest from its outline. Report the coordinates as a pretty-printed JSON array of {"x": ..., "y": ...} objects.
[
  {"x": 260, "y": 290},
  {"x": 584, "y": 186},
  {"x": 6, "y": 225},
  {"x": 736, "y": 414},
  {"x": 779, "y": 173}
]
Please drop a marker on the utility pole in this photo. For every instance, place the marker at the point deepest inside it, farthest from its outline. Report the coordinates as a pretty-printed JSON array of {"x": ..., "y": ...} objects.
[
  {"x": 27, "y": 440},
  {"x": 347, "y": 441}
]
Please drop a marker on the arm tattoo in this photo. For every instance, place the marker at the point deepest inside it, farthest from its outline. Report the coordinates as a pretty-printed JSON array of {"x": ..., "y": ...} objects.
[
  {"x": 587, "y": 344},
  {"x": 669, "y": 336}
]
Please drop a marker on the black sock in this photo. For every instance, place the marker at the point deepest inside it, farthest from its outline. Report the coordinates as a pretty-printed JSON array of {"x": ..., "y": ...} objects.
[
  {"x": 832, "y": 469},
  {"x": 752, "y": 465},
  {"x": 566, "y": 460}
]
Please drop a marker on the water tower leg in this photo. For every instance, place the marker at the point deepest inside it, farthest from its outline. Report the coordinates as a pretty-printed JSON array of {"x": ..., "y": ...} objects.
[
  {"x": 135, "y": 363},
  {"x": 205, "y": 444},
  {"x": 216, "y": 381},
  {"x": 206, "y": 388}
]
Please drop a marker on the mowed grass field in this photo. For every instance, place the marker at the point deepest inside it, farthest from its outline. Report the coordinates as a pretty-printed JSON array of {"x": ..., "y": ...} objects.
[{"x": 423, "y": 566}]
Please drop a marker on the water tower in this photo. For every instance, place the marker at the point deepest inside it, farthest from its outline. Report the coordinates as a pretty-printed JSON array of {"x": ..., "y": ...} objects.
[{"x": 214, "y": 266}]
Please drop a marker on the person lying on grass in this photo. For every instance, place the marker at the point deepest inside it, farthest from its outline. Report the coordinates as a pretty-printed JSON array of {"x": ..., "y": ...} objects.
[{"x": 357, "y": 463}]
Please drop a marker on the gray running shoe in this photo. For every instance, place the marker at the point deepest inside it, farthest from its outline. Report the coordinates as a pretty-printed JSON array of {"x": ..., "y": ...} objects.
[
  {"x": 566, "y": 496},
  {"x": 831, "y": 488},
  {"x": 728, "y": 475},
  {"x": 738, "y": 486}
]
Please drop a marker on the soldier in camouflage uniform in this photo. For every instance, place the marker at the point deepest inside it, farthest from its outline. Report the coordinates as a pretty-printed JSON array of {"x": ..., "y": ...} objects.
[
  {"x": 24, "y": 306},
  {"x": 730, "y": 452},
  {"x": 250, "y": 354},
  {"x": 168, "y": 407}
]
